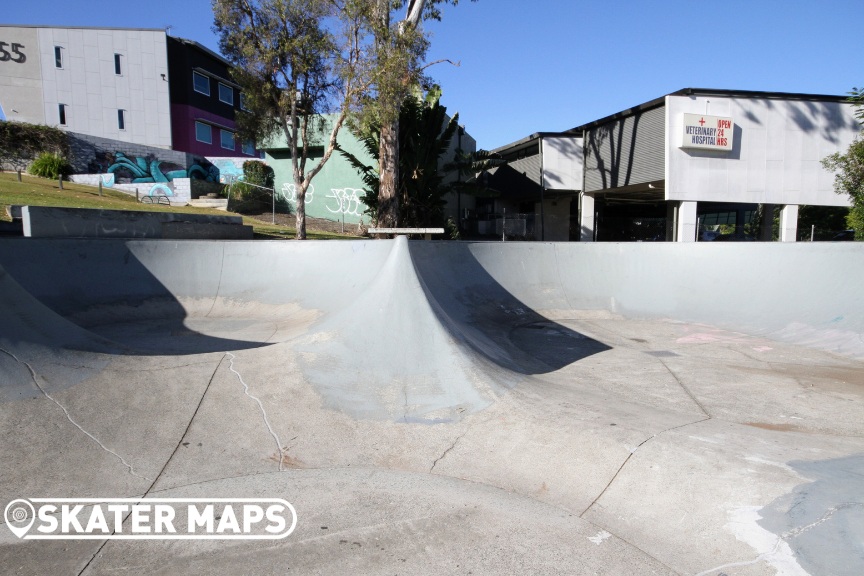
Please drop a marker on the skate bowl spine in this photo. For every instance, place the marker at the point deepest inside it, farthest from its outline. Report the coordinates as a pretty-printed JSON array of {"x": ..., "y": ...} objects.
[{"x": 804, "y": 293}]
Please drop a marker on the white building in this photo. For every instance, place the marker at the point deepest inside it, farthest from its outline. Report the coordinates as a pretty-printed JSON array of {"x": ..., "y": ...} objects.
[
  {"x": 111, "y": 83},
  {"x": 684, "y": 163}
]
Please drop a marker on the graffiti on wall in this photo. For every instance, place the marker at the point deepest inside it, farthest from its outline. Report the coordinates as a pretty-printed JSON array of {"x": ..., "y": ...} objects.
[
  {"x": 143, "y": 170},
  {"x": 346, "y": 201},
  {"x": 343, "y": 201},
  {"x": 229, "y": 169},
  {"x": 289, "y": 192},
  {"x": 160, "y": 190}
]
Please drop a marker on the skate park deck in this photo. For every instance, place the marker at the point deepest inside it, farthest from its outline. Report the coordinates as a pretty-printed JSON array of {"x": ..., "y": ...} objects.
[{"x": 444, "y": 407}]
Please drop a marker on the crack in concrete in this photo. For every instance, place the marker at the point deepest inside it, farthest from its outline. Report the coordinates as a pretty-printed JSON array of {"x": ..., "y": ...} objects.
[
  {"x": 34, "y": 376},
  {"x": 219, "y": 283},
  {"x": 683, "y": 387},
  {"x": 781, "y": 540},
  {"x": 281, "y": 451},
  {"x": 630, "y": 455},
  {"x": 795, "y": 532},
  {"x": 451, "y": 447},
  {"x": 276, "y": 327},
  {"x": 165, "y": 465}
]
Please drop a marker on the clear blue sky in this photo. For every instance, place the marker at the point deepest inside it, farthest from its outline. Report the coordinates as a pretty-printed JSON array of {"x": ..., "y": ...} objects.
[{"x": 550, "y": 65}]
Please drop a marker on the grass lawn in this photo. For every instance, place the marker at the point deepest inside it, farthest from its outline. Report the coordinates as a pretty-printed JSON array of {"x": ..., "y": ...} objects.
[{"x": 34, "y": 191}]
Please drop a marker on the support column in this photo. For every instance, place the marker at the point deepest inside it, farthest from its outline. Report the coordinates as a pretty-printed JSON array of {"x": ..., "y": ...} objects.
[
  {"x": 586, "y": 218},
  {"x": 671, "y": 219},
  {"x": 685, "y": 223},
  {"x": 789, "y": 223}
]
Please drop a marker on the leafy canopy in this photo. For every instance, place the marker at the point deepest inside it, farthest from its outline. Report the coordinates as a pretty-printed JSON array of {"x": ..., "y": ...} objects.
[{"x": 848, "y": 170}]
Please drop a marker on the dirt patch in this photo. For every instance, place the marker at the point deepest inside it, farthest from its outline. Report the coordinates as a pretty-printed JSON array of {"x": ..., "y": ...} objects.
[
  {"x": 312, "y": 224},
  {"x": 842, "y": 379}
]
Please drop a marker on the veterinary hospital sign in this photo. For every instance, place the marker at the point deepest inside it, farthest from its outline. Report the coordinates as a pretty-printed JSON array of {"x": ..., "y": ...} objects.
[{"x": 707, "y": 132}]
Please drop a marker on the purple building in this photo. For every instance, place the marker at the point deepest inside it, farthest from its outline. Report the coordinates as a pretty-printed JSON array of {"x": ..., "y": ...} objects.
[{"x": 204, "y": 102}]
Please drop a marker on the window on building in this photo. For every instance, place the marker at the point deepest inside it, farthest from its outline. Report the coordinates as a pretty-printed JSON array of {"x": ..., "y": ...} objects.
[
  {"x": 58, "y": 56},
  {"x": 121, "y": 119},
  {"x": 226, "y": 94},
  {"x": 62, "y": 110},
  {"x": 118, "y": 64},
  {"x": 248, "y": 148},
  {"x": 226, "y": 138},
  {"x": 201, "y": 83},
  {"x": 203, "y": 133},
  {"x": 243, "y": 102}
]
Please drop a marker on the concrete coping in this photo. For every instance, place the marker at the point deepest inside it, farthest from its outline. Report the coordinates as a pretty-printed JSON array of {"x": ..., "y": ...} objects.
[
  {"x": 47, "y": 222},
  {"x": 425, "y": 231},
  {"x": 14, "y": 212}
]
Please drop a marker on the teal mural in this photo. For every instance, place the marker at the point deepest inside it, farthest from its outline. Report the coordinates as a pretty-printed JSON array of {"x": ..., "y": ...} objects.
[
  {"x": 161, "y": 190},
  {"x": 145, "y": 171},
  {"x": 229, "y": 169}
]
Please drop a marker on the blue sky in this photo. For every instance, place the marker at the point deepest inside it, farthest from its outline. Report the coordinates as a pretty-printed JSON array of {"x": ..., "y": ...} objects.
[{"x": 550, "y": 65}]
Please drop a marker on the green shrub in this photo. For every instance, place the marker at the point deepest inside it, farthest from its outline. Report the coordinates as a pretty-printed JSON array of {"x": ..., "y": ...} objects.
[
  {"x": 48, "y": 165},
  {"x": 259, "y": 173},
  {"x": 246, "y": 199},
  {"x": 20, "y": 143}
]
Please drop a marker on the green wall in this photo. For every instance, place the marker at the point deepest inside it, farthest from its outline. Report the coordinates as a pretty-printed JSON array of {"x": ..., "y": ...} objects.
[{"x": 335, "y": 192}]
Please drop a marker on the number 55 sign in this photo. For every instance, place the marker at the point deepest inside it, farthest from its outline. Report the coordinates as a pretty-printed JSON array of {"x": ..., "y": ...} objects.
[{"x": 15, "y": 56}]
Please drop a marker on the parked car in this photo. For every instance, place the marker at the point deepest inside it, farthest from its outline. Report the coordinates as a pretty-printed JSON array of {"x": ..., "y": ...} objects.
[{"x": 844, "y": 235}]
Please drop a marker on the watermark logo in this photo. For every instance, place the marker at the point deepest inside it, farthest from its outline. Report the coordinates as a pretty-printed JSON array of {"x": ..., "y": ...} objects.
[{"x": 150, "y": 518}]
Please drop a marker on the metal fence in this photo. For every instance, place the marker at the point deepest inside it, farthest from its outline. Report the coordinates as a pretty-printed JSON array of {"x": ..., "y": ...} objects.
[
  {"x": 814, "y": 234},
  {"x": 247, "y": 198}
]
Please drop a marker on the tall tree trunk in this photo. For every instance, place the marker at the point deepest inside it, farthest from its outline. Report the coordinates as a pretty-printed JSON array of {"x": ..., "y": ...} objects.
[
  {"x": 301, "y": 216},
  {"x": 388, "y": 193},
  {"x": 388, "y": 156},
  {"x": 301, "y": 207}
]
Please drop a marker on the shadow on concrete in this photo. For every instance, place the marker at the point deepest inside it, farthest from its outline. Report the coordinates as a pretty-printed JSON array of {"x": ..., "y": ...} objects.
[
  {"x": 98, "y": 297},
  {"x": 478, "y": 311}
]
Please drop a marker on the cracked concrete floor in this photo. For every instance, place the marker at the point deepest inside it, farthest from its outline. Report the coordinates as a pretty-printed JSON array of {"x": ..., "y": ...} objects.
[{"x": 676, "y": 448}]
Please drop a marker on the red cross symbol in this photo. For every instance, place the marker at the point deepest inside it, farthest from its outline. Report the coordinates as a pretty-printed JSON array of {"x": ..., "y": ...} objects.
[{"x": 702, "y": 121}]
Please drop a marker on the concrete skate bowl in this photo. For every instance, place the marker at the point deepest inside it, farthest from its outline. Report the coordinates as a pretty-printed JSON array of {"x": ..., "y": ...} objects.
[{"x": 442, "y": 407}]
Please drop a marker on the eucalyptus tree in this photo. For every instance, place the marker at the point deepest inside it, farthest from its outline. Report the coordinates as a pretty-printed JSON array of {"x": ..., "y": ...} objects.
[
  {"x": 400, "y": 46},
  {"x": 425, "y": 134},
  {"x": 295, "y": 61}
]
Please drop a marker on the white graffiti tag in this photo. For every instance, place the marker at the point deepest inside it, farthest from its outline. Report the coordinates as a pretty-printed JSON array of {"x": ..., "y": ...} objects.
[
  {"x": 345, "y": 201},
  {"x": 289, "y": 191}
]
